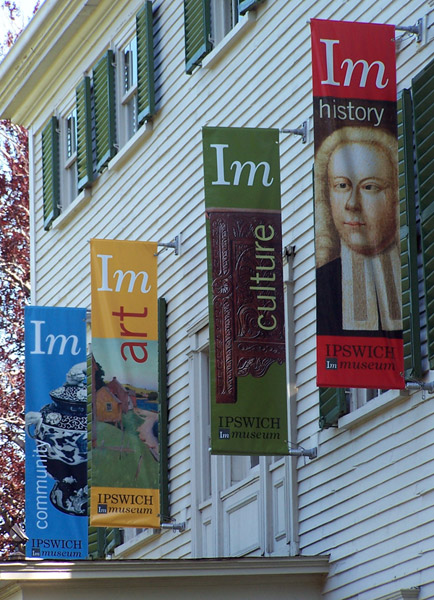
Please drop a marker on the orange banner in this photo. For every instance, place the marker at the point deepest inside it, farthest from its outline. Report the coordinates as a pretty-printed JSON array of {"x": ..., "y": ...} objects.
[{"x": 125, "y": 403}]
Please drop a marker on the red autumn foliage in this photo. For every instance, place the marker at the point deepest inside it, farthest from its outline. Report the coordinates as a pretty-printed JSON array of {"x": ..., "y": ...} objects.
[{"x": 14, "y": 294}]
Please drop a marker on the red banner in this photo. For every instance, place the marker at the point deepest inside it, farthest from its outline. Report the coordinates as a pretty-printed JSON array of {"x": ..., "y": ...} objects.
[
  {"x": 353, "y": 60},
  {"x": 358, "y": 269}
]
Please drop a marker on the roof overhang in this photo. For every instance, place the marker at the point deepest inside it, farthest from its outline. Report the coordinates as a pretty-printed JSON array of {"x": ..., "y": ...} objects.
[
  {"x": 261, "y": 574},
  {"x": 24, "y": 67}
]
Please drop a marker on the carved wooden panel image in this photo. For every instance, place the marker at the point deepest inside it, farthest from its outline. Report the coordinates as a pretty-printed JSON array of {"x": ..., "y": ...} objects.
[{"x": 247, "y": 289}]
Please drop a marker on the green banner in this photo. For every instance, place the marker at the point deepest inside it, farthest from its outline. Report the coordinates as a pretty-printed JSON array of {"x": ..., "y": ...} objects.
[{"x": 245, "y": 283}]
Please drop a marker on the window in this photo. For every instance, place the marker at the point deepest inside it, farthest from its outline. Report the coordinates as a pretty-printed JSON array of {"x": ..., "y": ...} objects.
[
  {"x": 416, "y": 161},
  {"x": 240, "y": 467},
  {"x": 234, "y": 468},
  {"x": 206, "y": 22},
  {"x": 137, "y": 96},
  {"x": 128, "y": 121},
  {"x": 69, "y": 145},
  {"x": 229, "y": 489},
  {"x": 224, "y": 16},
  {"x": 89, "y": 131},
  {"x": 357, "y": 397},
  {"x": 199, "y": 383}
]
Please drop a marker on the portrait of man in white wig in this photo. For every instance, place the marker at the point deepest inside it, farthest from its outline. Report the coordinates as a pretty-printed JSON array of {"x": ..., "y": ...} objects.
[{"x": 357, "y": 232}]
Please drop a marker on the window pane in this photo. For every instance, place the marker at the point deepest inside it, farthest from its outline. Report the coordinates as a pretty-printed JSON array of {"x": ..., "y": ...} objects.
[
  {"x": 130, "y": 65},
  {"x": 71, "y": 134}
]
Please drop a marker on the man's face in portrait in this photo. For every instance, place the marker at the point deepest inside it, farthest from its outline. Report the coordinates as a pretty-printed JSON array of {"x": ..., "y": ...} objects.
[{"x": 362, "y": 195}]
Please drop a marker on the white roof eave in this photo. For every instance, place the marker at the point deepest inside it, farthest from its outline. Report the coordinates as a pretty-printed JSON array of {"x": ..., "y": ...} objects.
[{"x": 23, "y": 69}]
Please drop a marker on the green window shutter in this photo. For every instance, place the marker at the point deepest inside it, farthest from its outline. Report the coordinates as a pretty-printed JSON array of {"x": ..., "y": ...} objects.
[
  {"x": 50, "y": 171},
  {"x": 105, "y": 110},
  {"x": 103, "y": 541},
  {"x": 197, "y": 25},
  {"x": 113, "y": 539},
  {"x": 246, "y": 5},
  {"x": 408, "y": 237},
  {"x": 84, "y": 134},
  {"x": 92, "y": 541},
  {"x": 423, "y": 101},
  {"x": 332, "y": 405},
  {"x": 145, "y": 63},
  {"x": 163, "y": 423}
]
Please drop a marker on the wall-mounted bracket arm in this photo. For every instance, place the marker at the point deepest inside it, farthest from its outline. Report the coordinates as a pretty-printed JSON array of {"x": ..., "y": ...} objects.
[
  {"x": 310, "y": 453},
  {"x": 301, "y": 131},
  {"x": 174, "y": 526},
  {"x": 417, "y": 29},
  {"x": 175, "y": 244}
]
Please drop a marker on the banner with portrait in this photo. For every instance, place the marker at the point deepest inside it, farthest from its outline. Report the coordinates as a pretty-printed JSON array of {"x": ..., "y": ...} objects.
[
  {"x": 245, "y": 283},
  {"x": 56, "y": 433},
  {"x": 125, "y": 404},
  {"x": 357, "y": 251}
]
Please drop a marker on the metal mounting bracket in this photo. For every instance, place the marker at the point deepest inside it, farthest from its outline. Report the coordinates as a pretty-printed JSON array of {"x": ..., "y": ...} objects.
[
  {"x": 310, "y": 453},
  {"x": 174, "y": 526},
  {"x": 426, "y": 386},
  {"x": 417, "y": 29},
  {"x": 175, "y": 244},
  {"x": 302, "y": 131}
]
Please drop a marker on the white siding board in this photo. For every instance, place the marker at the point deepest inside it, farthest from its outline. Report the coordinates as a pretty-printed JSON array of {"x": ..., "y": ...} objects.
[
  {"x": 400, "y": 509},
  {"x": 404, "y": 516},
  {"x": 372, "y": 434},
  {"x": 378, "y": 472},
  {"x": 179, "y": 416}
]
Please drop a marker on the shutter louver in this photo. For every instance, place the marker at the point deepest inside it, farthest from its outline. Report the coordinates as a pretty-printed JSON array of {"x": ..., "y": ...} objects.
[
  {"x": 408, "y": 239},
  {"x": 145, "y": 63},
  {"x": 246, "y": 5},
  {"x": 332, "y": 405},
  {"x": 197, "y": 24},
  {"x": 423, "y": 101},
  {"x": 50, "y": 172},
  {"x": 84, "y": 135},
  {"x": 104, "y": 107}
]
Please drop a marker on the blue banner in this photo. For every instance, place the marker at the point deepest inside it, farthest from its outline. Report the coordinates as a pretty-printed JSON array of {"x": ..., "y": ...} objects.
[{"x": 56, "y": 433}]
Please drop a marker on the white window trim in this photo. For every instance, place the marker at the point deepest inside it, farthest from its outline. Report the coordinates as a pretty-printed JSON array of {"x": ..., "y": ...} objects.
[
  {"x": 125, "y": 153},
  {"x": 69, "y": 161},
  {"x": 198, "y": 341},
  {"x": 213, "y": 513},
  {"x": 122, "y": 97},
  {"x": 404, "y": 594},
  {"x": 244, "y": 24},
  {"x": 66, "y": 162},
  {"x": 129, "y": 94},
  {"x": 135, "y": 540},
  {"x": 380, "y": 404},
  {"x": 224, "y": 17},
  {"x": 72, "y": 209}
]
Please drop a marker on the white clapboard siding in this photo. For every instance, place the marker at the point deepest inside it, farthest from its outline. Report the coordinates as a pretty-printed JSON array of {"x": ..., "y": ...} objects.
[{"x": 367, "y": 500}]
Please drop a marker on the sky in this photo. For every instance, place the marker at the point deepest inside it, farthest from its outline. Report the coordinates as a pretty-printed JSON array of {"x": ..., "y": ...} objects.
[{"x": 26, "y": 12}]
